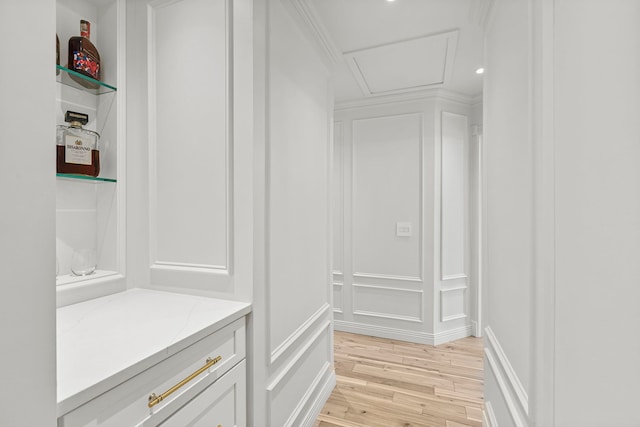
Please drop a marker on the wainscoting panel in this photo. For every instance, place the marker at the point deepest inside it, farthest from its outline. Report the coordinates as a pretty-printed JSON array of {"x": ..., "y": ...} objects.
[
  {"x": 387, "y": 196},
  {"x": 454, "y": 196},
  {"x": 512, "y": 407},
  {"x": 389, "y": 281},
  {"x": 190, "y": 166},
  {"x": 321, "y": 316},
  {"x": 293, "y": 390},
  {"x": 337, "y": 297},
  {"x": 338, "y": 197},
  {"x": 452, "y": 303},
  {"x": 387, "y": 303}
]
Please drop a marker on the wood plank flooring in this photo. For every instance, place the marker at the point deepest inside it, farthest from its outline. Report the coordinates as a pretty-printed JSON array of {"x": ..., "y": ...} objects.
[{"x": 388, "y": 383}]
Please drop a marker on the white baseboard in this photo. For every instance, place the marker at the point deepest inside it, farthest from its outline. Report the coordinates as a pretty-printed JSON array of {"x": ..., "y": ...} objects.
[
  {"x": 402, "y": 334},
  {"x": 452, "y": 335}
]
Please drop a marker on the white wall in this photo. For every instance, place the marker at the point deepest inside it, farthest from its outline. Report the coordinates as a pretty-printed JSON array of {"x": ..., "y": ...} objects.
[
  {"x": 508, "y": 209},
  {"x": 27, "y": 217},
  {"x": 597, "y": 212},
  {"x": 291, "y": 330},
  {"x": 402, "y": 165},
  {"x": 561, "y": 219}
]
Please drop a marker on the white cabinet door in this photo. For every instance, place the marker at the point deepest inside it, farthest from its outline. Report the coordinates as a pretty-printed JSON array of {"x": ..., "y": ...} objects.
[{"x": 222, "y": 404}]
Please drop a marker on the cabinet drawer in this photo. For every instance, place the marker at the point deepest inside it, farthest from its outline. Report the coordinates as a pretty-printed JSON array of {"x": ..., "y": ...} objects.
[
  {"x": 222, "y": 404},
  {"x": 127, "y": 404}
]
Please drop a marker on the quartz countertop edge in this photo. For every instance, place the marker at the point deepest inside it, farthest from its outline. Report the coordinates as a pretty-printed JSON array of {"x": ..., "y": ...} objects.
[{"x": 105, "y": 341}]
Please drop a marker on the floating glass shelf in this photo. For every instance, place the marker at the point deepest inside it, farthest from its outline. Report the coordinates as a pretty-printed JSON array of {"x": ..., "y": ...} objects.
[
  {"x": 64, "y": 78},
  {"x": 85, "y": 177}
]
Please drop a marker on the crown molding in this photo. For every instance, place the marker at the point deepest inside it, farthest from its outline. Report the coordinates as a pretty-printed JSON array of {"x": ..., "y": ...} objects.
[
  {"x": 423, "y": 95},
  {"x": 315, "y": 29}
]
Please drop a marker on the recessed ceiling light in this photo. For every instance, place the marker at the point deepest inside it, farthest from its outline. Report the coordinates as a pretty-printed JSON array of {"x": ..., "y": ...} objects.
[
  {"x": 390, "y": 1},
  {"x": 480, "y": 71}
]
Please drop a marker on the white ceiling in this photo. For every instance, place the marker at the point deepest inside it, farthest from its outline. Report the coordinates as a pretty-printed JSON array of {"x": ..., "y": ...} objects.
[{"x": 403, "y": 46}]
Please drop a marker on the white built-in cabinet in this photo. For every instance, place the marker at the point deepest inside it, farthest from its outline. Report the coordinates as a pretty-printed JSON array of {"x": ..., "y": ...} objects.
[
  {"x": 173, "y": 214},
  {"x": 187, "y": 372}
]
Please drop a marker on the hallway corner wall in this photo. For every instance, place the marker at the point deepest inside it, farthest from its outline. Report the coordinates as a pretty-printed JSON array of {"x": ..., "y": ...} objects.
[
  {"x": 507, "y": 214},
  {"x": 401, "y": 268}
]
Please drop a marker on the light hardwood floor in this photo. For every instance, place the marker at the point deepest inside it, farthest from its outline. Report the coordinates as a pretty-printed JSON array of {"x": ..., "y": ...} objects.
[{"x": 388, "y": 383}]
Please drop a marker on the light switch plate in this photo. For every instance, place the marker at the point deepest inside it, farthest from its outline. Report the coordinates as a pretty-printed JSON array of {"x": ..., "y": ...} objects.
[{"x": 403, "y": 229}]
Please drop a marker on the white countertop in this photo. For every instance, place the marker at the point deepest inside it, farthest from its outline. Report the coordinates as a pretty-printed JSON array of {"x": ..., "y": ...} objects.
[{"x": 105, "y": 341}]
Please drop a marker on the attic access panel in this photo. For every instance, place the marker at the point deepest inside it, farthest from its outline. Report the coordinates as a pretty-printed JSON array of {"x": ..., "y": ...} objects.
[{"x": 404, "y": 66}]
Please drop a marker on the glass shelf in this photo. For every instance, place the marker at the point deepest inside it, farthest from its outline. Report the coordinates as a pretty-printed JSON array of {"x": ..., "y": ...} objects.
[
  {"x": 64, "y": 78},
  {"x": 85, "y": 178}
]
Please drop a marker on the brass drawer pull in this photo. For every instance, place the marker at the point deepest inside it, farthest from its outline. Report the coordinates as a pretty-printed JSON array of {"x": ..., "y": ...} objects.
[{"x": 154, "y": 400}]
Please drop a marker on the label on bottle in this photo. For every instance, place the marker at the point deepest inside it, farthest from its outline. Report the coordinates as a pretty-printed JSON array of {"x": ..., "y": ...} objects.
[
  {"x": 83, "y": 61},
  {"x": 77, "y": 150},
  {"x": 85, "y": 28}
]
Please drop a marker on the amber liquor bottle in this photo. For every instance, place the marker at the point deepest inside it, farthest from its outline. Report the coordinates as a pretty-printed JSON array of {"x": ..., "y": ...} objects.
[
  {"x": 77, "y": 148},
  {"x": 84, "y": 57}
]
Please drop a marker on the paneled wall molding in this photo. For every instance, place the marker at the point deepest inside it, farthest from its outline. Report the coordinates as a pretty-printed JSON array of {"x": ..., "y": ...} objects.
[
  {"x": 502, "y": 365},
  {"x": 295, "y": 390},
  {"x": 337, "y": 308},
  {"x": 454, "y": 277},
  {"x": 387, "y": 316},
  {"x": 488, "y": 416},
  {"x": 327, "y": 378},
  {"x": 454, "y": 228},
  {"x": 160, "y": 263},
  {"x": 313, "y": 27},
  {"x": 392, "y": 261},
  {"x": 299, "y": 333},
  {"x": 418, "y": 296},
  {"x": 504, "y": 390},
  {"x": 387, "y": 100},
  {"x": 454, "y": 316},
  {"x": 323, "y": 395},
  {"x": 362, "y": 138},
  {"x": 302, "y": 351},
  {"x": 387, "y": 277},
  {"x": 338, "y": 208}
]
